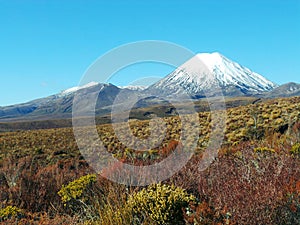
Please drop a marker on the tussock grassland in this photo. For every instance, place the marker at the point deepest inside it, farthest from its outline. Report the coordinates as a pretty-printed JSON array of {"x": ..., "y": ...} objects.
[{"x": 254, "y": 180}]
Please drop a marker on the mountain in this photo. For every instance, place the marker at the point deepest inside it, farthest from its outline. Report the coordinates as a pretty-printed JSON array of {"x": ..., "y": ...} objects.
[
  {"x": 285, "y": 90},
  {"x": 60, "y": 105},
  {"x": 199, "y": 77},
  {"x": 77, "y": 88},
  {"x": 202, "y": 74}
]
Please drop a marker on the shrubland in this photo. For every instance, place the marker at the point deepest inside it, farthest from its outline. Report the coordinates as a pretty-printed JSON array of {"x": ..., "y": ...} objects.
[{"x": 254, "y": 179}]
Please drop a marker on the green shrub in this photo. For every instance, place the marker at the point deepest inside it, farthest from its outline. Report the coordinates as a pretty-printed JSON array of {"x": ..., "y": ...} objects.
[
  {"x": 9, "y": 212},
  {"x": 161, "y": 203},
  {"x": 295, "y": 149},
  {"x": 75, "y": 189},
  {"x": 264, "y": 149},
  {"x": 78, "y": 196}
]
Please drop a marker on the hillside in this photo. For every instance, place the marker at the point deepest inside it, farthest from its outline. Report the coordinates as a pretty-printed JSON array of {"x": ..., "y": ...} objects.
[
  {"x": 286, "y": 90},
  {"x": 141, "y": 111}
]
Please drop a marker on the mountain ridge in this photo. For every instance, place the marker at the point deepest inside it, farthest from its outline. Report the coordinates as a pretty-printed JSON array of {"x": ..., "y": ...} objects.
[{"x": 204, "y": 75}]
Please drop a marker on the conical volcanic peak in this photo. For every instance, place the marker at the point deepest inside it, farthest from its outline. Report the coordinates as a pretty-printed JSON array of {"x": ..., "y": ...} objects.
[{"x": 206, "y": 72}]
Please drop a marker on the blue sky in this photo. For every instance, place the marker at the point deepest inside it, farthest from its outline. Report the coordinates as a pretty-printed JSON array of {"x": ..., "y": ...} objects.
[{"x": 46, "y": 45}]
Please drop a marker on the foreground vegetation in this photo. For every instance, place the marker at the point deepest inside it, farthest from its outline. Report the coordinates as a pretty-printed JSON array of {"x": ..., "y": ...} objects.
[{"x": 254, "y": 180}]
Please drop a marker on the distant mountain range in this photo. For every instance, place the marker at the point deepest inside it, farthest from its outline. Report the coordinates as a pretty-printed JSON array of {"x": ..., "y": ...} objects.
[
  {"x": 285, "y": 90},
  {"x": 204, "y": 75},
  {"x": 60, "y": 105}
]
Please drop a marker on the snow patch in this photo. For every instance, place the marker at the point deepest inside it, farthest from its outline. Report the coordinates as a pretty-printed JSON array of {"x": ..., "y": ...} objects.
[
  {"x": 133, "y": 87},
  {"x": 76, "y": 88}
]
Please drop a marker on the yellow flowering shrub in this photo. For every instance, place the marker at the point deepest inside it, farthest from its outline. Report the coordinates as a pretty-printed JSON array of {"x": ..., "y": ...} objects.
[
  {"x": 161, "y": 203},
  {"x": 295, "y": 149},
  {"x": 75, "y": 189},
  {"x": 264, "y": 149},
  {"x": 9, "y": 212}
]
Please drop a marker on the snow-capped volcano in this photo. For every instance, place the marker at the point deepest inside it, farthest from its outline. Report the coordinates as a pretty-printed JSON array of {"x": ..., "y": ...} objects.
[
  {"x": 207, "y": 71},
  {"x": 204, "y": 75}
]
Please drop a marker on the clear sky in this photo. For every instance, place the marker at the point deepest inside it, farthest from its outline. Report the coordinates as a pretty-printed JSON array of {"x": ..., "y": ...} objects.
[{"x": 46, "y": 45}]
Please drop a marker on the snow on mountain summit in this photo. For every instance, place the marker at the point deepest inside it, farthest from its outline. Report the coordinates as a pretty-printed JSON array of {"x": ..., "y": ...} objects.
[
  {"x": 229, "y": 72},
  {"x": 134, "y": 87},
  {"x": 206, "y": 71},
  {"x": 76, "y": 88}
]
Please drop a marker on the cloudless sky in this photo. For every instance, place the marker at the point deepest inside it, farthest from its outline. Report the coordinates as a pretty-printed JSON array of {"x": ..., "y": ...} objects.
[{"x": 46, "y": 45}]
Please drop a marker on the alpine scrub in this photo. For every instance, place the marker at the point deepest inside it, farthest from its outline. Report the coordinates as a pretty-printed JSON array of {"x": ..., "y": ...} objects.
[{"x": 161, "y": 203}]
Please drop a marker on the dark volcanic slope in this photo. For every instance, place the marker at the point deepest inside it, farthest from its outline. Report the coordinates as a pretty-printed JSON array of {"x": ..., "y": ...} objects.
[
  {"x": 60, "y": 105},
  {"x": 286, "y": 90}
]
